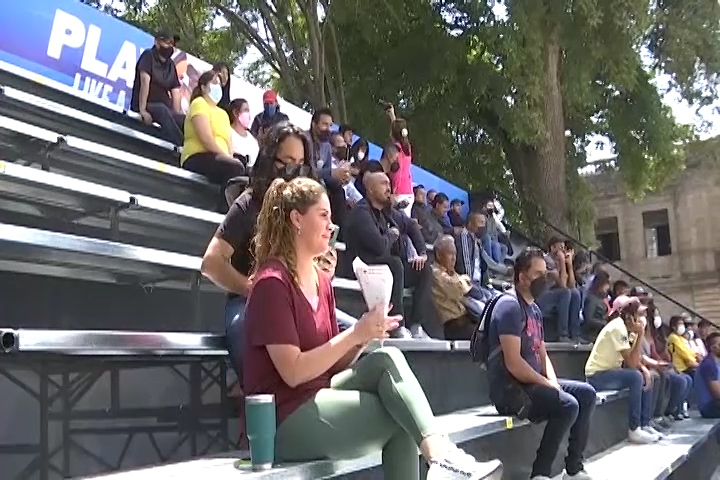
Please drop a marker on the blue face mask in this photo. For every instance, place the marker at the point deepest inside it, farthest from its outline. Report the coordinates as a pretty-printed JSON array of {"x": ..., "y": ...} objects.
[
  {"x": 215, "y": 93},
  {"x": 270, "y": 110}
]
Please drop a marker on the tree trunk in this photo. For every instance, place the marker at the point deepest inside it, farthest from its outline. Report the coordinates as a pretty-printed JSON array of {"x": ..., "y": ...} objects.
[{"x": 539, "y": 170}]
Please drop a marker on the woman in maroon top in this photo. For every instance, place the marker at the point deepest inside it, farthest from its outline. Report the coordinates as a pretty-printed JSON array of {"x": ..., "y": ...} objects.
[{"x": 329, "y": 405}]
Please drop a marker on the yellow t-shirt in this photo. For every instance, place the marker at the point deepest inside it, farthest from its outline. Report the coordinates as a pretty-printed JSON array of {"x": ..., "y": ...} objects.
[
  {"x": 605, "y": 354},
  {"x": 219, "y": 124},
  {"x": 680, "y": 352}
]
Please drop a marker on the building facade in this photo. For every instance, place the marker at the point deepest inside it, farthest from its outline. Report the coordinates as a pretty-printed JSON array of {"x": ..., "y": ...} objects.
[{"x": 670, "y": 239}]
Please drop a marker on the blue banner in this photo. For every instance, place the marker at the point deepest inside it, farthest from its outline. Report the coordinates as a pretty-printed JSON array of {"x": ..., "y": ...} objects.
[{"x": 81, "y": 47}]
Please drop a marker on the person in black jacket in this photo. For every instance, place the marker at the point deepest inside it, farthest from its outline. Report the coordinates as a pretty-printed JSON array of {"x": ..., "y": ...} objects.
[{"x": 378, "y": 234}]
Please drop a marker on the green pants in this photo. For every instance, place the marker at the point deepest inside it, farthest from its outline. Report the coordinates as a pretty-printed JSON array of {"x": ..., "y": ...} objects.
[{"x": 377, "y": 404}]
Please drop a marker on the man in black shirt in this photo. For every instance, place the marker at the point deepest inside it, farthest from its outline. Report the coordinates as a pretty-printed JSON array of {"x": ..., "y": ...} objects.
[
  {"x": 378, "y": 236},
  {"x": 156, "y": 90}
]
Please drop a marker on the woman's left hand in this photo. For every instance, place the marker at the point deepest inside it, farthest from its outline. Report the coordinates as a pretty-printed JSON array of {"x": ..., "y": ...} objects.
[{"x": 327, "y": 262}]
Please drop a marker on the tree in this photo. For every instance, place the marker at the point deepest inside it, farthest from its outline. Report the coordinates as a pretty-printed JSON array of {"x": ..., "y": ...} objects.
[
  {"x": 298, "y": 42},
  {"x": 554, "y": 72}
]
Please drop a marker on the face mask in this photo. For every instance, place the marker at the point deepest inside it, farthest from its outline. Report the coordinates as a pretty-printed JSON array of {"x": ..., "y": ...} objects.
[
  {"x": 215, "y": 92},
  {"x": 538, "y": 287},
  {"x": 291, "y": 171},
  {"x": 404, "y": 132},
  {"x": 643, "y": 321},
  {"x": 244, "y": 119},
  {"x": 270, "y": 110},
  {"x": 360, "y": 155},
  {"x": 165, "y": 52},
  {"x": 657, "y": 321},
  {"x": 680, "y": 330},
  {"x": 394, "y": 167},
  {"x": 340, "y": 153},
  {"x": 690, "y": 334}
]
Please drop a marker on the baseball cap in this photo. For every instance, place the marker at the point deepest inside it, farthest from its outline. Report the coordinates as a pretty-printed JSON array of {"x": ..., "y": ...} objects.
[
  {"x": 440, "y": 198},
  {"x": 167, "y": 34},
  {"x": 624, "y": 301},
  {"x": 638, "y": 292},
  {"x": 270, "y": 96}
]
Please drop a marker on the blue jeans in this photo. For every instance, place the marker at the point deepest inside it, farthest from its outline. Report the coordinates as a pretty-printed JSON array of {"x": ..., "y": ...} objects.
[
  {"x": 710, "y": 410},
  {"x": 640, "y": 401},
  {"x": 495, "y": 249},
  {"x": 565, "y": 303},
  {"x": 234, "y": 319},
  {"x": 566, "y": 410},
  {"x": 680, "y": 387}
]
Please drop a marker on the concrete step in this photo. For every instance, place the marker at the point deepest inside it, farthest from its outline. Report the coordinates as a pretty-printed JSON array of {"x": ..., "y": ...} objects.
[{"x": 661, "y": 460}]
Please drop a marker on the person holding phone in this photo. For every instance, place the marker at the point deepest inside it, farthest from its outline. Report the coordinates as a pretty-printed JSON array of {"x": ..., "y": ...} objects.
[
  {"x": 330, "y": 403},
  {"x": 401, "y": 177}
]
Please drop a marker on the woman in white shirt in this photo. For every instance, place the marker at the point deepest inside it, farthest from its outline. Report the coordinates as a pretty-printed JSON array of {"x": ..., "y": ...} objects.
[{"x": 244, "y": 144}]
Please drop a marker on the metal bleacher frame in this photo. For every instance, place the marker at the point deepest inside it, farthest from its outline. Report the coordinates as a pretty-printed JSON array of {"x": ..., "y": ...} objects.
[{"x": 57, "y": 369}]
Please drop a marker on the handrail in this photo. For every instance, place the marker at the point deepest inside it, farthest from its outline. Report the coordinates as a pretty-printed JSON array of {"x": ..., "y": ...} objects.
[{"x": 508, "y": 201}]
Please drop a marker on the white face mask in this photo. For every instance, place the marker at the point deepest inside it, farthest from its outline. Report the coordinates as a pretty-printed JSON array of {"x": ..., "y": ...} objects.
[
  {"x": 680, "y": 330},
  {"x": 691, "y": 334},
  {"x": 643, "y": 321},
  {"x": 360, "y": 155},
  {"x": 657, "y": 321}
]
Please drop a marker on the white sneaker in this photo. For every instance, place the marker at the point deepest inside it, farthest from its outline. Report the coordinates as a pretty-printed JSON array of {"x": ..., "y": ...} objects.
[
  {"x": 652, "y": 431},
  {"x": 581, "y": 475},
  {"x": 642, "y": 437},
  {"x": 456, "y": 464}
]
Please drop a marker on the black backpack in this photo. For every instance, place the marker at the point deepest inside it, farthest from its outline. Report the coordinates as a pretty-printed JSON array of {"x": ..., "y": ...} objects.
[
  {"x": 480, "y": 339},
  {"x": 506, "y": 393}
]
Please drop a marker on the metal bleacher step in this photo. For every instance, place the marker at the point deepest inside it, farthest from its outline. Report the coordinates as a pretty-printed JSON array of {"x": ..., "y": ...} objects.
[
  {"x": 461, "y": 426},
  {"x": 99, "y": 163},
  {"x": 656, "y": 461}
]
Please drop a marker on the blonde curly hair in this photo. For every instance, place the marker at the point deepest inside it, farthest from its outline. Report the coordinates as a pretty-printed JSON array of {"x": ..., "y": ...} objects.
[{"x": 274, "y": 235}]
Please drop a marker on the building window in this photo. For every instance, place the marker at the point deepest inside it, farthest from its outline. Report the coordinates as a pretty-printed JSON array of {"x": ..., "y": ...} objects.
[
  {"x": 657, "y": 233},
  {"x": 606, "y": 231}
]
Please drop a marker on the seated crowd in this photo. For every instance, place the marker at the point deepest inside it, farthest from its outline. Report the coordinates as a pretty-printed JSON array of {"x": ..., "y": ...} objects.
[{"x": 272, "y": 254}]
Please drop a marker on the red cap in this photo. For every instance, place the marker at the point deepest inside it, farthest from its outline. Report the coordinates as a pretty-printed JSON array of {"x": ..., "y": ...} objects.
[{"x": 270, "y": 96}]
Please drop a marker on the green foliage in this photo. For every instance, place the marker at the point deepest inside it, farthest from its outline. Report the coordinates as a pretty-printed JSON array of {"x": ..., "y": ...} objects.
[
  {"x": 492, "y": 89},
  {"x": 195, "y": 21}
]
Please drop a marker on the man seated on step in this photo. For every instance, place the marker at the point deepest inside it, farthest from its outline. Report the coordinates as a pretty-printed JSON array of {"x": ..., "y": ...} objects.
[
  {"x": 375, "y": 232},
  {"x": 156, "y": 90},
  {"x": 618, "y": 343},
  {"x": 707, "y": 379},
  {"x": 517, "y": 330},
  {"x": 459, "y": 304}
]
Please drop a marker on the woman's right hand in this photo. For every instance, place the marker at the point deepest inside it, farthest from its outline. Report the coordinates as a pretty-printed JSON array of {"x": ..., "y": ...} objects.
[{"x": 375, "y": 324}]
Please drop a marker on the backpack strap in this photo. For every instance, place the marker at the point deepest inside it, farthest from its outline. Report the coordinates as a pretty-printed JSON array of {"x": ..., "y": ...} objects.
[{"x": 496, "y": 351}]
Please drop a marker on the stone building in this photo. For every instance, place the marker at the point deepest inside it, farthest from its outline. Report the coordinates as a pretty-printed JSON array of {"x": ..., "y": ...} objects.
[{"x": 670, "y": 239}]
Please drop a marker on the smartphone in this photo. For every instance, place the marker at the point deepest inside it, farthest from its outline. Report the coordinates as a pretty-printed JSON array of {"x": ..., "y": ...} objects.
[{"x": 334, "y": 236}]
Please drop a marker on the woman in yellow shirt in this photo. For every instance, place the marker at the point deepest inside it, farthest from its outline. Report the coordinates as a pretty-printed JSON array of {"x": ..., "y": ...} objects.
[
  {"x": 207, "y": 149},
  {"x": 683, "y": 358}
]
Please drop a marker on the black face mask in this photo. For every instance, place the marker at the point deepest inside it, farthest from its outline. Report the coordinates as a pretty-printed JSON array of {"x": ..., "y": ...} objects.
[
  {"x": 292, "y": 170},
  {"x": 340, "y": 153},
  {"x": 165, "y": 52},
  {"x": 394, "y": 167},
  {"x": 538, "y": 287}
]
